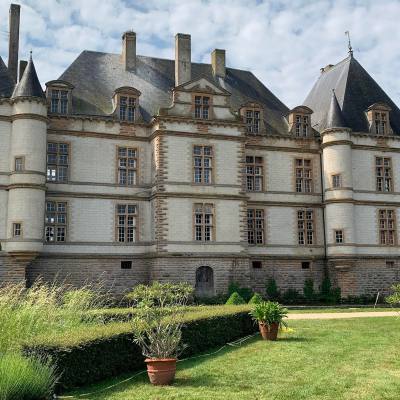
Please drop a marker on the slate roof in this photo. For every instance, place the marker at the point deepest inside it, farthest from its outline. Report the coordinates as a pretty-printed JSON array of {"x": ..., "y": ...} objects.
[
  {"x": 6, "y": 82},
  {"x": 29, "y": 85},
  {"x": 335, "y": 117},
  {"x": 355, "y": 90},
  {"x": 96, "y": 75}
]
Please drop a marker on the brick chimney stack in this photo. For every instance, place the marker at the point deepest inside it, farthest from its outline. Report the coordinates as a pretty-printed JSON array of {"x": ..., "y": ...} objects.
[
  {"x": 13, "y": 44},
  {"x": 129, "y": 50},
  {"x": 218, "y": 63},
  {"x": 183, "y": 65}
]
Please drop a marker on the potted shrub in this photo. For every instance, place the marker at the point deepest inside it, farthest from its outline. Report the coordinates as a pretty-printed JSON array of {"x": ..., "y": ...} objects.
[
  {"x": 269, "y": 316},
  {"x": 157, "y": 326}
]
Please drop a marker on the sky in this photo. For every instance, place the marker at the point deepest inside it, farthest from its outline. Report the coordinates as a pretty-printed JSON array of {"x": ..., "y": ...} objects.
[{"x": 284, "y": 43}]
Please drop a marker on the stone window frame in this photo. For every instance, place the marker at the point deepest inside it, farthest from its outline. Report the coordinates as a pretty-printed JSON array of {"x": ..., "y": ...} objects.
[
  {"x": 56, "y": 224},
  {"x": 129, "y": 93},
  {"x": 58, "y": 164},
  {"x": 253, "y": 175},
  {"x": 338, "y": 236},
  {"x": 382, "y": 180},
  {"x": 336, "y": 181},
  {"x": 15, "y": 227},
  {"x": 299, "y": 119},
  {"x": 203, "y": 156},
  {"x": 125, "y": 225},
  {"x": 384, "y": 228},
  {"x": 303, "y": 228},
  {"x": 378, "y": 115},
  {"x": 202, "y": 224},
  {"x": 22, "y": 168},
  {"x": 118, "y": 168},
  {"x": 201, "y": 106},
  {"x": 60, "y": 86},
  {"x": 252, "y": 227},
  {"x": 252, "y": 107},
  {"x": 302, "y": 181}
]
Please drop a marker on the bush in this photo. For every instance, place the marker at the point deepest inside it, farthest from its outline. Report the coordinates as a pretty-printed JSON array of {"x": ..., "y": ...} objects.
[
  {"x": 308, "y": 290},
  {"x": 256, "y": 299},
  {"x": 271, "y": 290},
  {"x": 26, "y": 378},
  {"x": 394, "y": 298},
  {"x": 245, "y": 293},
  {"x": 328, "y": 294},
  {"x": 214, "y": 300},
  {"x": 235, "y": 298},
  {"x": 269, "y": 312},
  {"x": 291, "y": 296}
]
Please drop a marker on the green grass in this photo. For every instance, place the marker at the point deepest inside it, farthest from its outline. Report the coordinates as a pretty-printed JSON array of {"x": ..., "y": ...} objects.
[{"x": 322, "y": 359}]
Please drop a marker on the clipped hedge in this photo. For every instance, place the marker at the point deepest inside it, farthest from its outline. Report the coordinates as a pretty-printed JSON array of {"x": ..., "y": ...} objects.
[{"x": 105, "y": 351}]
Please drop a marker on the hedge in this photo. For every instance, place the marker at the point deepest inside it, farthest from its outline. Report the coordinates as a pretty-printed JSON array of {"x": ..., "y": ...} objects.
[{"x": 101, "y": 352}]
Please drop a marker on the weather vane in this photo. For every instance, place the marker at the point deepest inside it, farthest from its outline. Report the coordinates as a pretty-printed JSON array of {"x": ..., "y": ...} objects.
[{"x": 349, "y": 43}]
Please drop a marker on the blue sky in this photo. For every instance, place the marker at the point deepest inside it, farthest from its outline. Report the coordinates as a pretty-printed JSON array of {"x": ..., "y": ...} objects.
[{"x": 284, "y": 43}]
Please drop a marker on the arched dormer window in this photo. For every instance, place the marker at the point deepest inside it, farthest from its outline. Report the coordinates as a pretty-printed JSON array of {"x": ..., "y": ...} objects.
[
  {"x": 300, "y": 121},
  {"x": 59, "y": 97},
  {"x": 378, "y": 119},
  {"x": 252, "y": 115},
  {"x": 126, "y": 104}
]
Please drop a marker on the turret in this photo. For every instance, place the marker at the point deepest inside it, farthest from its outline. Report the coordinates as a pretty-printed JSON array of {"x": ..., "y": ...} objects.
[{"x": 27, "y": 160}]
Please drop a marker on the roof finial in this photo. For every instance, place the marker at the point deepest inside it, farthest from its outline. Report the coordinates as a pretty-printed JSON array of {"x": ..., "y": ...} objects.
[{"x": 349, "y": 43}]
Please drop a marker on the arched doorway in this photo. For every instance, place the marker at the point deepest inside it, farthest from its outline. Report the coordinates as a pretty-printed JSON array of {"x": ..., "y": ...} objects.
[{"x": 204, "y": 281}]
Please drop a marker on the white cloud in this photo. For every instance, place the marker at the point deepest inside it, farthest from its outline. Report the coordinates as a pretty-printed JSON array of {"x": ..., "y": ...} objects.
[{"x": 283, "y": 42}]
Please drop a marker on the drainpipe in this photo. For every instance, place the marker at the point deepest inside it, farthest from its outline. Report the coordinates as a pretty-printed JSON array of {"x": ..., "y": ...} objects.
[{"x": 323, "y": 212}]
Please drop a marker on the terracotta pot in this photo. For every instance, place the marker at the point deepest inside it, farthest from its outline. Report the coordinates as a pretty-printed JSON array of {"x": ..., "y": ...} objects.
[
  {"x": 161, "y": 371},
  {"x": 269, "y": 332}
]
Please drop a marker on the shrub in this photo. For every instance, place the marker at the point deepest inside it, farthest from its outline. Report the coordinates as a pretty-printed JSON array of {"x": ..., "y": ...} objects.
[
  {"x": 235, "y": 298},
  {"x": 26, "y": 378},
  {"x": 308, "y": 290},
  {"x": 291, "y": 296},
  {"x": 269, "y": 312},
  {"x": 394, "y": 298},
  {"x": 214, "y": 300},
  {"x": 245, "y": 293},
  {"x": 271, "y": 290},
  {"x": 256, "y": 299},
  {"x": 328, "y": 294}
]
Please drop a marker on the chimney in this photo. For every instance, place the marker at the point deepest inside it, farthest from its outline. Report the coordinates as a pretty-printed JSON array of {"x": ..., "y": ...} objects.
[
  {"x": 183, "y": 66},
  {"x": 13, "y": 43},
  {"x": 129, "y": 50},
  {"x": 218, "y": 63},
  {"x": 22, "y": 66}
]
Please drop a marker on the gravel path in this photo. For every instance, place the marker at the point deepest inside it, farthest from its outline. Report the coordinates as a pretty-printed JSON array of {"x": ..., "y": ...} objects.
[{"x": 341, "y": 315}]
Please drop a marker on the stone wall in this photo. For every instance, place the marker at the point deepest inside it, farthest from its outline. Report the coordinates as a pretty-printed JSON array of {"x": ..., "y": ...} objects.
[{"x": 11, "y": 271}]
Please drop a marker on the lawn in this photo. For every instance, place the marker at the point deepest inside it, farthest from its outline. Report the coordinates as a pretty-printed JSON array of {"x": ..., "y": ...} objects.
[{"x": 355, "y": 359}]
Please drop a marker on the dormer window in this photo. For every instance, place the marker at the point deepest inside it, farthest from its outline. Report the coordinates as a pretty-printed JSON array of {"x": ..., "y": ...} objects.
[
  {"x": 302, "y": 125},
  {"x": 378, "y": 118},
  {"x": 251, "y": 114},
  {"x": 126, "y": 104},
  {"x": 59, "y": 97},
  {"x": 202, "y": 107},
  {"x": 381, "y": 123},
  {"x": 300, "y": 121}
]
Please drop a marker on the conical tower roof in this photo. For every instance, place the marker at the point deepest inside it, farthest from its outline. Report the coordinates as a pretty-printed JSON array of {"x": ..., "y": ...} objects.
[
  {"x": 6, "y": 82},
  {"x": 335, "y": 118},
  {"x": 29, "y": 85}
]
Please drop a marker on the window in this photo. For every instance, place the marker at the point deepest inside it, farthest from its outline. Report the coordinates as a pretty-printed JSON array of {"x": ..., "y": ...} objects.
[
  {"x": 339, "y": 237},
  {"x": 383, "y": 174},
  {"x": 336, "y": 181},
  {"x": 202, "y": 164},
  {"x": 387, "y": 229},
  {"x": 19, "y": 164},
  {"x": 303, "y": 176},
  {"x": 252, "y": 119},
  {"x": 254, "y": 173},
  {"x": 255, "y": 226},
  {"x": 126, "y": 223},
  {"x": 301, "y": 125},
  {"x": 305, "y": 225},
  {"x": 256, "y": 264},
  {"x": 127, "y": 166},
  {"x": 57, "y": 162},
  {"x": 389, "y": 264},
  {"x": 204, "y": 222},
  {"x": 127, "y": 108},
  {"x": 17, "y": 229},
  {"x": 305, "y": 265},
  {"x": 381, "y": 123},
  {"x": 59, "y": 101},
  {"x": 202, "y": 107},
  {"x": 126, "y": 264},
  {"x": 55, "y": 223}
]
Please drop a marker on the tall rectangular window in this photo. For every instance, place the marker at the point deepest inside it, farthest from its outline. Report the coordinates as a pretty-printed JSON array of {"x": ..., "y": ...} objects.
[
  {"x": 381, "y": 123},
  {"x": 16, "y": 229},
  {"x": 202, "y": 164},
  {"x": 387, "y": 227},
  {"x": 305, "y": 227},
  {"x": 202, "y": 107},
  {"x": 126, "y": 223},
  {"x": 127, "y": 166},
  {"x": 127, "y": 108},
  {"x": 254, "y": 174},
  {"x": 57, "y": 162},
  {"x": 255, "y": 226},
  {"x": 336, "y": 181},
  {"x": 55, "y": 221},
  {"x": 339, "y": 237},
  {"x": 19, "y": 163},
  {"x": 303, "y": 176},
  {"x": 59, "y": 101},
  {"x": 252, "y": 120},
  {"x": 204, "y": 222},
  {"x": 302, "y": 125},
  {"x": 383, "y": 167}
]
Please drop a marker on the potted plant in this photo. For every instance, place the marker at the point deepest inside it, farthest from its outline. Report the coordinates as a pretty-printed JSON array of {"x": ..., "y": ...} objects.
[
  {"x": 269, "y": 315},
  {"x": 157, "y": 326}
]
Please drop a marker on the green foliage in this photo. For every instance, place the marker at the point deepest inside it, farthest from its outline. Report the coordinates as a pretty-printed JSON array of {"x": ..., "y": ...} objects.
[
  {"x": 394, "y": 298},
  {"x": 269, "y": 312},
  {"x": 271, "y": 290},
  {"x": 328, "y": 294},
  {"x": 245, "y": 293},
  {"x": 256, "y": 299},
  {"x": 214, "y": 300},
  {"x": 291, "y": 296},
  {"x": 26, "y": 378},
  {"x": 308, "y": 290},
  {"x": 235, "y": 298}
]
